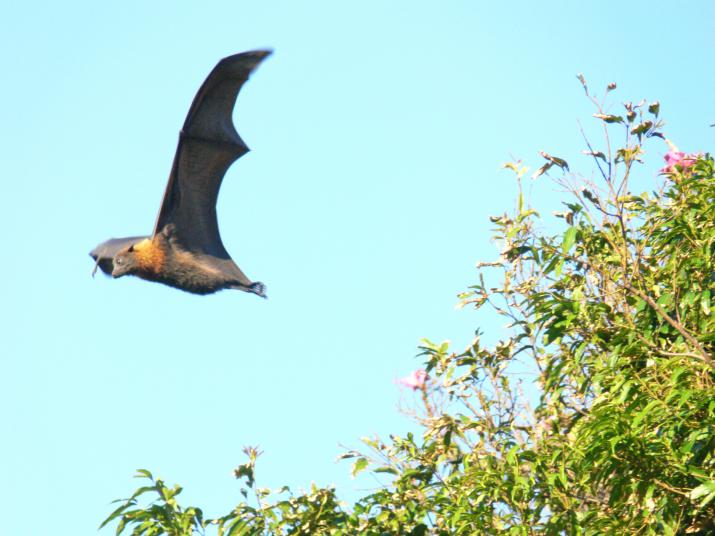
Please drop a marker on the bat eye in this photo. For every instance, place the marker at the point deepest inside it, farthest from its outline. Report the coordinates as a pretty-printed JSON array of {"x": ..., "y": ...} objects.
[{"x": 118, "y": 261}]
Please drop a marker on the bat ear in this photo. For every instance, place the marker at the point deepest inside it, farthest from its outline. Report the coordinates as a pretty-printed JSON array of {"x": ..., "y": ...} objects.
[{"x": 131, "y": 248}]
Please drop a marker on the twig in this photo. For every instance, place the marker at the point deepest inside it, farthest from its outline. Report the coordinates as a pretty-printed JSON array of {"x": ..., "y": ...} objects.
[
  {"x": 590, "y": 148},
  {"x": 704, "y": 356}
]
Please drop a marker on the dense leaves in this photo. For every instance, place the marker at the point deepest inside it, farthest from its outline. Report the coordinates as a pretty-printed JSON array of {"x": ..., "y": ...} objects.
[{"x": 613, "y": 429}]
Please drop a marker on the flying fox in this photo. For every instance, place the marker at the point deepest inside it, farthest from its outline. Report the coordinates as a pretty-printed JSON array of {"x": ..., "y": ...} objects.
[{"x": 185, "y": 250}]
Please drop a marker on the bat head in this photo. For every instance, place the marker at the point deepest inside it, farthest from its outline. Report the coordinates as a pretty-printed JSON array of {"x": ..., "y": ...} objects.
[{"x": 125, "y": 263}]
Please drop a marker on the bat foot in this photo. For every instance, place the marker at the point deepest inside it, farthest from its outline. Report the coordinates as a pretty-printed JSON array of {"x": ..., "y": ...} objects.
[{"x": 259, "y": 289}]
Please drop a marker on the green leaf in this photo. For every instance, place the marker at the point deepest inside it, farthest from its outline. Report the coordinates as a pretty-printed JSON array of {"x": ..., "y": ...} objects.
[
  {"x": 543, "y": 169},
  {"x": 642, "y": 128},
  {"x": 419, "y": 530},
  {"x": 237, "y": 527},
  {"x": 555, "y": 160},
  {"x": 665, "y": 300},
  {"x": 143, "y": 473},
  {"x": 609, "y": 118},
  {"x": 569, "y": 239},
  {"x": 116, "y": 513},
  {"x": 703, "y": 489},
  {"x": 359, "y": 466},
  {"x": 141, "y": 491},
  {"x": 705, "y": 302},
  {"x": 389, "y": 470}
]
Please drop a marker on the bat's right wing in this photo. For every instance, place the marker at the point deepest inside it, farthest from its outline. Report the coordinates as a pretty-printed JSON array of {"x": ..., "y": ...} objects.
[
  {"x": 208, "y": 145},
  {"x": 104, "y": 253}
]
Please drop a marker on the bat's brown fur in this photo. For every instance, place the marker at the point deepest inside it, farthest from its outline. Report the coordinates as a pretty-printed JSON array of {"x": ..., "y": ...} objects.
[{"x": 161, "y": 259}]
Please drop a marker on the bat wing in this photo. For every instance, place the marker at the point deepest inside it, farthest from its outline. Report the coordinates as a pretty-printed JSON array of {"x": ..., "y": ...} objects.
[
  {"x": 104, "y": 253},
  {"x": 208, "y": 145}
]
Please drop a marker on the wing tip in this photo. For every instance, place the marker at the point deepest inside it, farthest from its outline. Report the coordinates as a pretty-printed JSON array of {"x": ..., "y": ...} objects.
[{"x": 250, "y": 59}]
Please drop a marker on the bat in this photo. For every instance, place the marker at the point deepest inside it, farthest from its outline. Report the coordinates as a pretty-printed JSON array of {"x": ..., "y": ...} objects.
[{"x": 185, "y": 250}]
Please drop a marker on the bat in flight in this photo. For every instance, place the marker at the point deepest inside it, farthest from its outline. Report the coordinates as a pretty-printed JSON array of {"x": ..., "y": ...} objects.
[{"x": 185, "y": 250}]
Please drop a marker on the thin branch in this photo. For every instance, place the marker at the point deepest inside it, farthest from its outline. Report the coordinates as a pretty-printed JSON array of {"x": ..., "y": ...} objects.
[
  {"x": 703, "y": 354},
  {"x": 593, "y": 153}
]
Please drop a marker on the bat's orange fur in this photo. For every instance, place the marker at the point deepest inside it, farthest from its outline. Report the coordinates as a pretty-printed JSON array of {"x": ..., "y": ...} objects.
[{"x": 150, "y": 256}]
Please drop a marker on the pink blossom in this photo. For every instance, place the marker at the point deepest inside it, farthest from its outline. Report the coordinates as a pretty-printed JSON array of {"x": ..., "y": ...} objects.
[
  {"x": 678, "y": 158},
  {"x": 415, "y": 380}
]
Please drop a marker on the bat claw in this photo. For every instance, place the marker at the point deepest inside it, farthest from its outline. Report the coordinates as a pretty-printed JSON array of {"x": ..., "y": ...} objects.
[{"x": 259, "y": 289}]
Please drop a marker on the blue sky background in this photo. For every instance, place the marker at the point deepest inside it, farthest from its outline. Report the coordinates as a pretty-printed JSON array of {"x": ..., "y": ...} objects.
[{"x": 378, "y": 130}]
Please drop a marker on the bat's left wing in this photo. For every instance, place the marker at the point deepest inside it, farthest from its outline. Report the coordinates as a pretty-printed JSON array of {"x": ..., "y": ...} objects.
[
  {"x": 104, "y": 253},
  {"x": 208, "y": 145}
]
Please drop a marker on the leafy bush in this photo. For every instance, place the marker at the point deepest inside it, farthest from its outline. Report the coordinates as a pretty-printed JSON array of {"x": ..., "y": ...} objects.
[{"x": 614, "y": 315}]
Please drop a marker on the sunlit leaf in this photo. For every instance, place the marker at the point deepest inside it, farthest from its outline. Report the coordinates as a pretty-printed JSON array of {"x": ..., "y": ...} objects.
[
  {"x": 569, "y": 239},
  {"x": 705, "y": 302},
  {"x": 359, "y": 466},
  {"x": 609, "y": 118}
]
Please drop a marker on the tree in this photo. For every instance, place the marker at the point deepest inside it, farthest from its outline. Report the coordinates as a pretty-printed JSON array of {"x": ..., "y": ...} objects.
[{"x": 613, "y": 312}]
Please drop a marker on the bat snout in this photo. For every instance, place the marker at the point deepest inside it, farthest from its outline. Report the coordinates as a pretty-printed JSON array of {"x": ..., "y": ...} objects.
[{"x": 119, "y": 268}]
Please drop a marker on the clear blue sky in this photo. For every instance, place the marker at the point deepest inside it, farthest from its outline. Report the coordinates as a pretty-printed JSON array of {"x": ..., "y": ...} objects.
[{"x": 377, "y": 130}]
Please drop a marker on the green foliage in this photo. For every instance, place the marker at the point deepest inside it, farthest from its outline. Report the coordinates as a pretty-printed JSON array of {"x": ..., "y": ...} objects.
[
  {"x": 164, "y": 516},
  {"x": 611, "y": 317}
]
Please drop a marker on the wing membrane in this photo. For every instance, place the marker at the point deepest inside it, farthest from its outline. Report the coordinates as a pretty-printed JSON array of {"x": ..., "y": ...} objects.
[{"x": 208, "y": 145}]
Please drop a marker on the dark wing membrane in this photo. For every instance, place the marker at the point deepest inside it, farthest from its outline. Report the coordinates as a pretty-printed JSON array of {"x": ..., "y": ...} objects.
[
  {"x": 105, "y": 252},
  {"x": 208, "y": 145}
]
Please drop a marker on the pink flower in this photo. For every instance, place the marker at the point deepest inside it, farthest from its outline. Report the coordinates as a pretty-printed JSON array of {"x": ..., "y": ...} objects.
[
  {"x": 415, "y": 380},
  {"x": 678, "y": 158}
]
